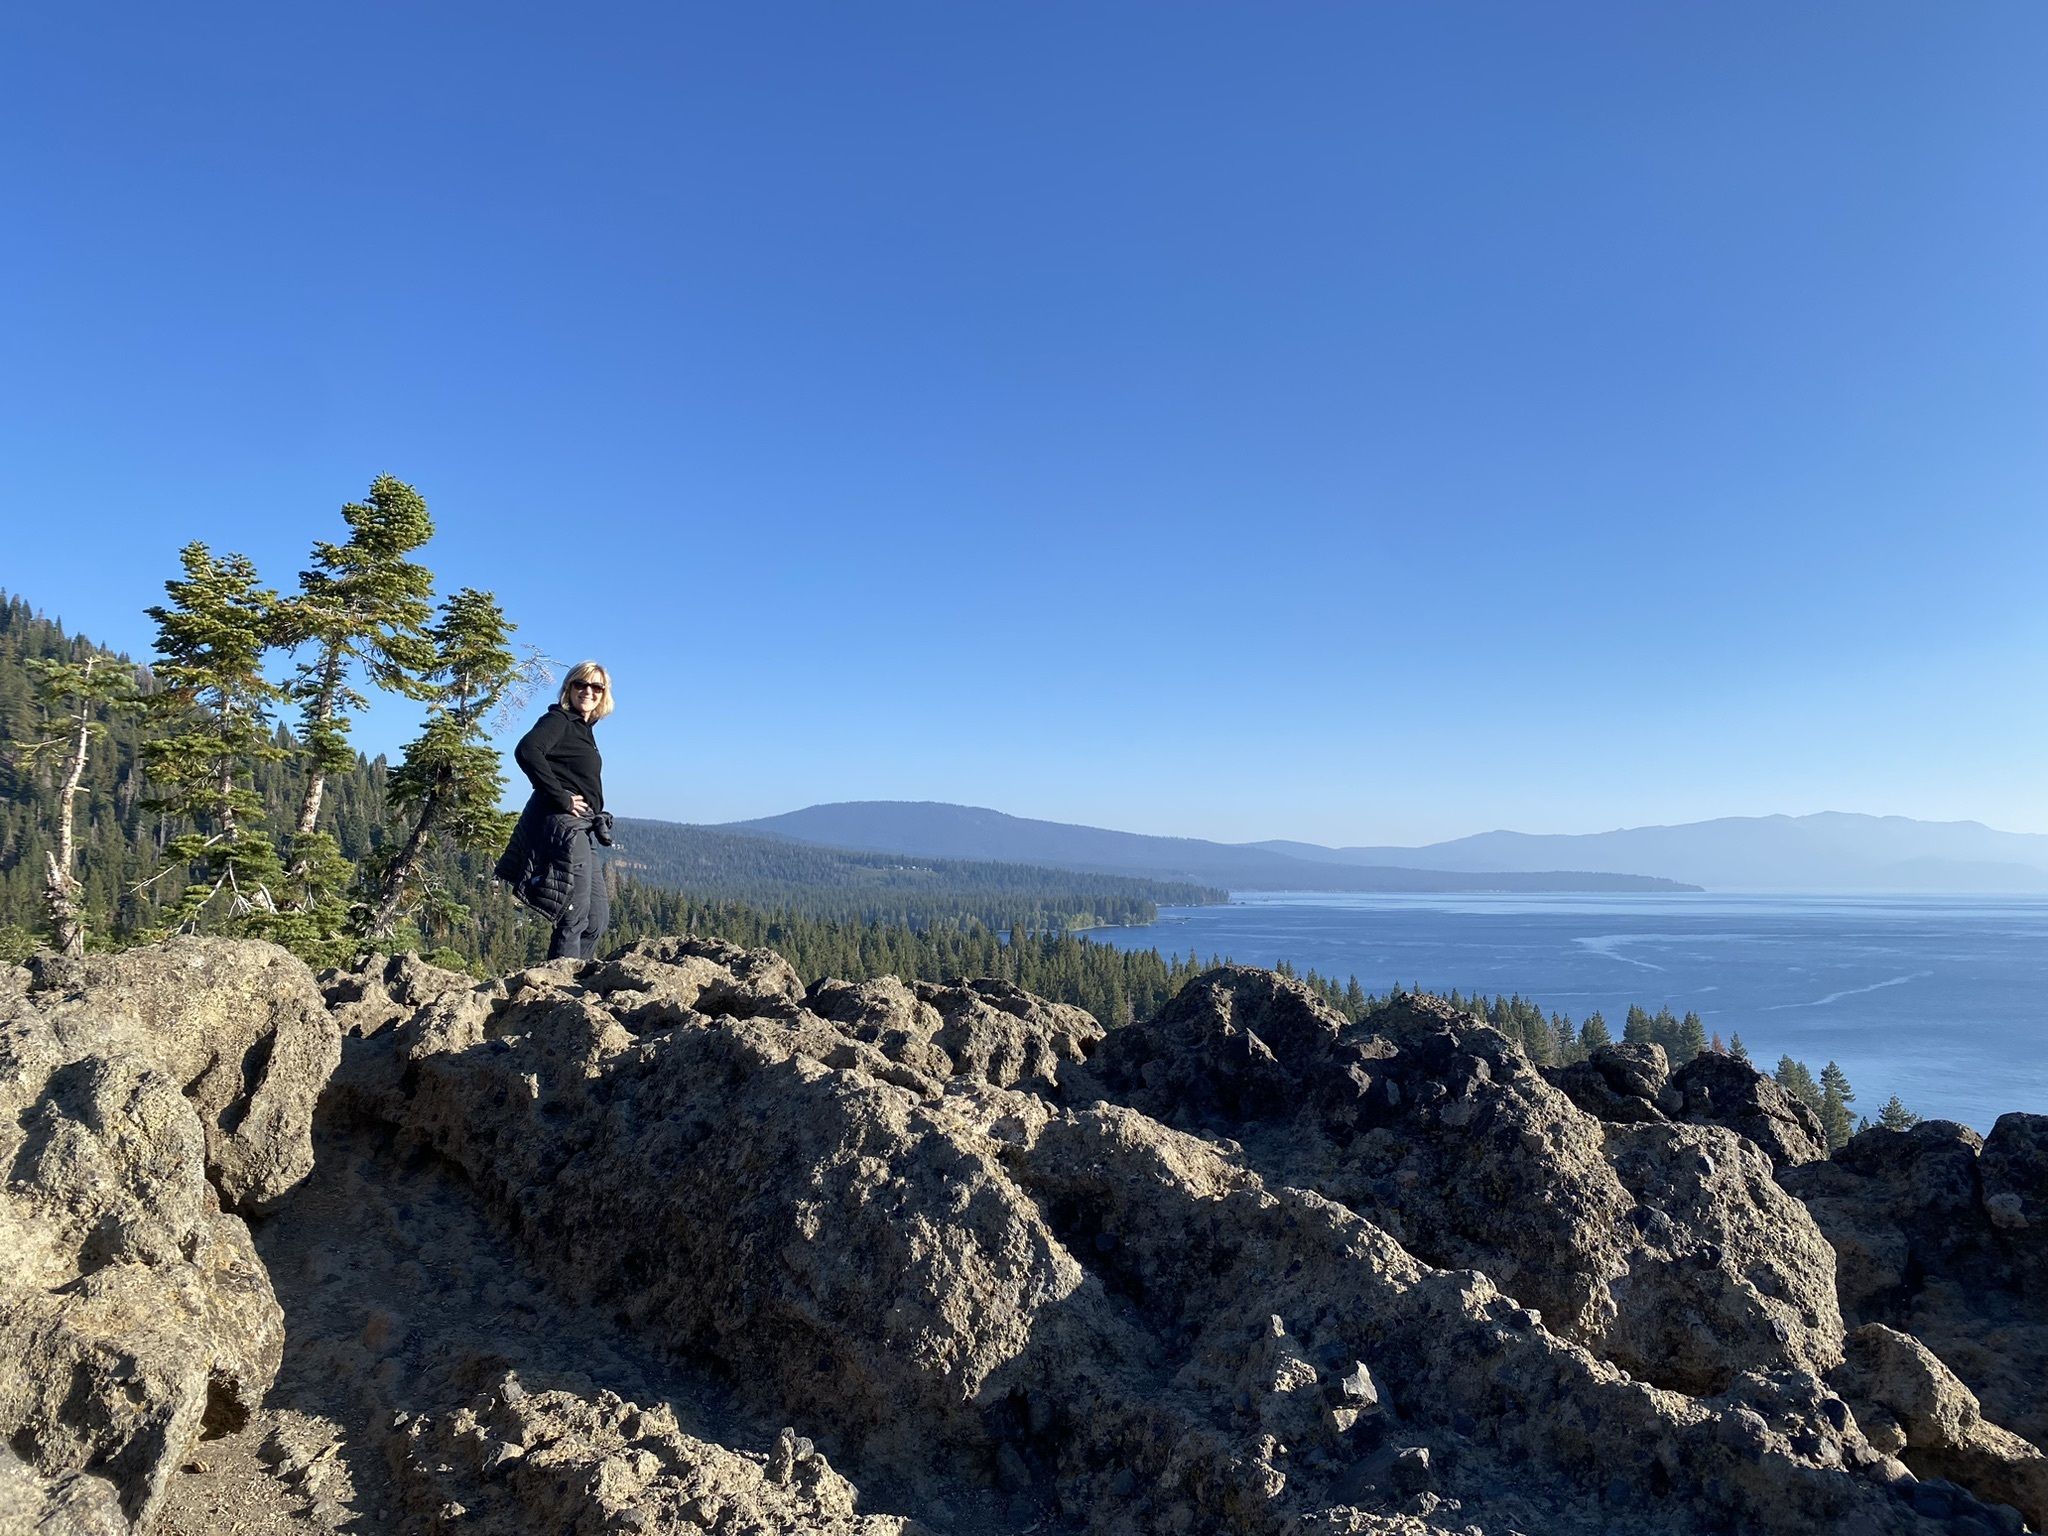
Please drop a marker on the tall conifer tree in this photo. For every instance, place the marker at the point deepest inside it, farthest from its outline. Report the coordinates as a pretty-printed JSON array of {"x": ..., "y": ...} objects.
[
  {"x": 1796, "y": 1078},
  {"x": 1835, "y": 1098},
  {"x": 1692, "y": 1038},
  {"x": 363, "y": 605},
  {"x": 448, "y": 783},
  {"x": 211, "y": 728}
]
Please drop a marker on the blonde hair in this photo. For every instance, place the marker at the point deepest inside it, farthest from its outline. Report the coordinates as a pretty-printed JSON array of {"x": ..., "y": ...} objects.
[{"x": 587, "y": 671}]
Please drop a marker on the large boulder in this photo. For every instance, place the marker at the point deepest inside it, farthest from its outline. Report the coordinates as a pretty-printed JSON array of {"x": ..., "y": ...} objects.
[
  {"x": 1234, "y": 1045},
  {"x": 1935, "y": 1235},
  {"x": 1666, "y": 1248},
  {"x": 516, "y": 1461},
  {"x": 1903, "y": 1393},
  {"x": 243, "y": 1027},
  {"x": 2013, "y": 1174},
  {"x": 1720, "y": 1090},
  {"x": 378, "y": 990},
  {"x": 1618, "y": 1082},
  {"x": 134, "y": 1314}
]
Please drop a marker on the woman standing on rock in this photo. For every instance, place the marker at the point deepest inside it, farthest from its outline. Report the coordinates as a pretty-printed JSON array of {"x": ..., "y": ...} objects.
[{"x": 552, "y": 863}]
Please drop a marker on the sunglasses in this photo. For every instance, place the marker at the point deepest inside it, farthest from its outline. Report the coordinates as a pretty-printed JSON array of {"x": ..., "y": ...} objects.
[{"x": 586, "y": 687}]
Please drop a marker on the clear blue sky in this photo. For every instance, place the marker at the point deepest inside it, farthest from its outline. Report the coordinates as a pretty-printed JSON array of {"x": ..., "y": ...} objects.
[{"x": 1360, "y": 423}]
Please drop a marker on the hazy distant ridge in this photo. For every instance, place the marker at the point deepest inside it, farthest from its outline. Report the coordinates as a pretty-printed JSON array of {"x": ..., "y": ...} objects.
[
  {"x": 1827, "y": 851},
  {"x": 933, "y": 829}
]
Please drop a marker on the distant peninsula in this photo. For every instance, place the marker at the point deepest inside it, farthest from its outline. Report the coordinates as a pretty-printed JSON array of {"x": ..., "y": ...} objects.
[{"x": 936, "y": 830}]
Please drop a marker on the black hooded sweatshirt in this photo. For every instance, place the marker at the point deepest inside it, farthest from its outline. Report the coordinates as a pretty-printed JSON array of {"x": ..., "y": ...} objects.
[{"x": 560, "y": 756}]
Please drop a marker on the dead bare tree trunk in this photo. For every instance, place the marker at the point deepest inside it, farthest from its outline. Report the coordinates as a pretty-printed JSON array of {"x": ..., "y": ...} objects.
[{"x": 60, "y": 889}]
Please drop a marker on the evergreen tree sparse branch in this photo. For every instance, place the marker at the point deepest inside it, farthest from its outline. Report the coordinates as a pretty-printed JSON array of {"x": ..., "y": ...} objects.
[
  {"x": 448, "y": 782},
  {"x": 363, "y": 606}
]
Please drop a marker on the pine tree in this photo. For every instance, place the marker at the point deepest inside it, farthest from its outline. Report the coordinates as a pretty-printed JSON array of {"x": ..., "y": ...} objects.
[
  {"x": 1738, "y": 1050},
  {"x": 1895, "y": 1116},
  {"x": 1835, "y": 1098},
  {"x": 211, "y": 731},
  {"x": 1692, "y": 1038},
  {"x": 1593, "y": 1033},
  {"x": 1563, "y": 1039},
  {"x": 448, "y": 782},
  {"x": 79, "y": 696},
  {"x": 1796, "y": 1078},
  {"x": 1636, "y": 1028},
  {"x": 362, "y": 605},
  {"x": 1664, "y": 1030}
]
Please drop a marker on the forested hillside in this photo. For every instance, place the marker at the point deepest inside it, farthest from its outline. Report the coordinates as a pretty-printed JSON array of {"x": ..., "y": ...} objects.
[{"x": 774, "y": 872}]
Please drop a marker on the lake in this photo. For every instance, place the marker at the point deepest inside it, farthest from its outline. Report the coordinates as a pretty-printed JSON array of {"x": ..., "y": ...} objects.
[{"x": 1942, "y": 1000}]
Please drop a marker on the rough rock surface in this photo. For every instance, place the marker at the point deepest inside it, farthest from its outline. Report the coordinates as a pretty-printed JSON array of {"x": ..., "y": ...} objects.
[
  {"x": 1632, "y": 1083},
  {"x": 1719, "y": 1090},
  {"x": 247, "y": 1035},
  {"x": 989, "y": 1030},
  {"x": 1666, "y": 1248},
  {"x": 1938, "y": 1233},
  {"x": 1892, "y": 1379},
  {"x": 669, "y": 1242},
  {"x": 134, "y": 1314}
]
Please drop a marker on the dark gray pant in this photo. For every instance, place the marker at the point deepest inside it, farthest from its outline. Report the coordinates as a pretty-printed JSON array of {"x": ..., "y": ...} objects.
[{"x": 589, "y": 912}]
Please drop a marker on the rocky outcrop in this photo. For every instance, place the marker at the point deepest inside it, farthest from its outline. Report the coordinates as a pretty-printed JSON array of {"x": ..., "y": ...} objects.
[
  {"x": 510, "y": 1462},
  {"x": 378, "y": 990},
  {"x": 988, "y": 1030},
  {"x": 1621, "y": 1083},
  {"x": 1632, "y": 1083},
  {"x": 580, "y": 1242},
  {"x": 1937, "y": 1233},
  {"x": 2012, "y": 1172},
  {"x": 1666, "y": 1248},
  {"x": 1719, "y": 1090},
  {"x": 246, "y": 1034},
  {"x": 134, "y": 1314},
  {"x": 1910, "y": 1402}
]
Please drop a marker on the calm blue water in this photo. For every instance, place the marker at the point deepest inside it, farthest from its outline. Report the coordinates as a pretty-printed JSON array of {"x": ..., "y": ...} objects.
[{"x": 1942, "y": 1000}]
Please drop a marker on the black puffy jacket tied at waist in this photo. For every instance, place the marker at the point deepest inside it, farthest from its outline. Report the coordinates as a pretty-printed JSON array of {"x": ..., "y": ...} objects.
[{"x": 539, "y": 862}]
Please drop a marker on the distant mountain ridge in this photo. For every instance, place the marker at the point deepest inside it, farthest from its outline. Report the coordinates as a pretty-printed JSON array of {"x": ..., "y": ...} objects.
[
  {"x": 1829, "y": 850},
  {"x": 934, "y": 829},
  {"x": 1826, "y": 851}
]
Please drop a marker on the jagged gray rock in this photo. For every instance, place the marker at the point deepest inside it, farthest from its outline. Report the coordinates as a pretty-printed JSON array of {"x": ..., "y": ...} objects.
[
  {"x": 2013, "y": 1169},
  {"x": 1070, "y": 1300},
  {"x": 1892, "y": 1376},
  {"x": 1719, "y": 1090},
  {"x": 1927, "y": 1243},
  {"x": 243, "y": 1028},
  {"x": 1667, "y": 1248},
  {"x": 516, "y": 1461},
  {"x": 989, "y": 1030},
  {"x": 1244, "y": 1268},
  {"x": 133, "y": 1312}
]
